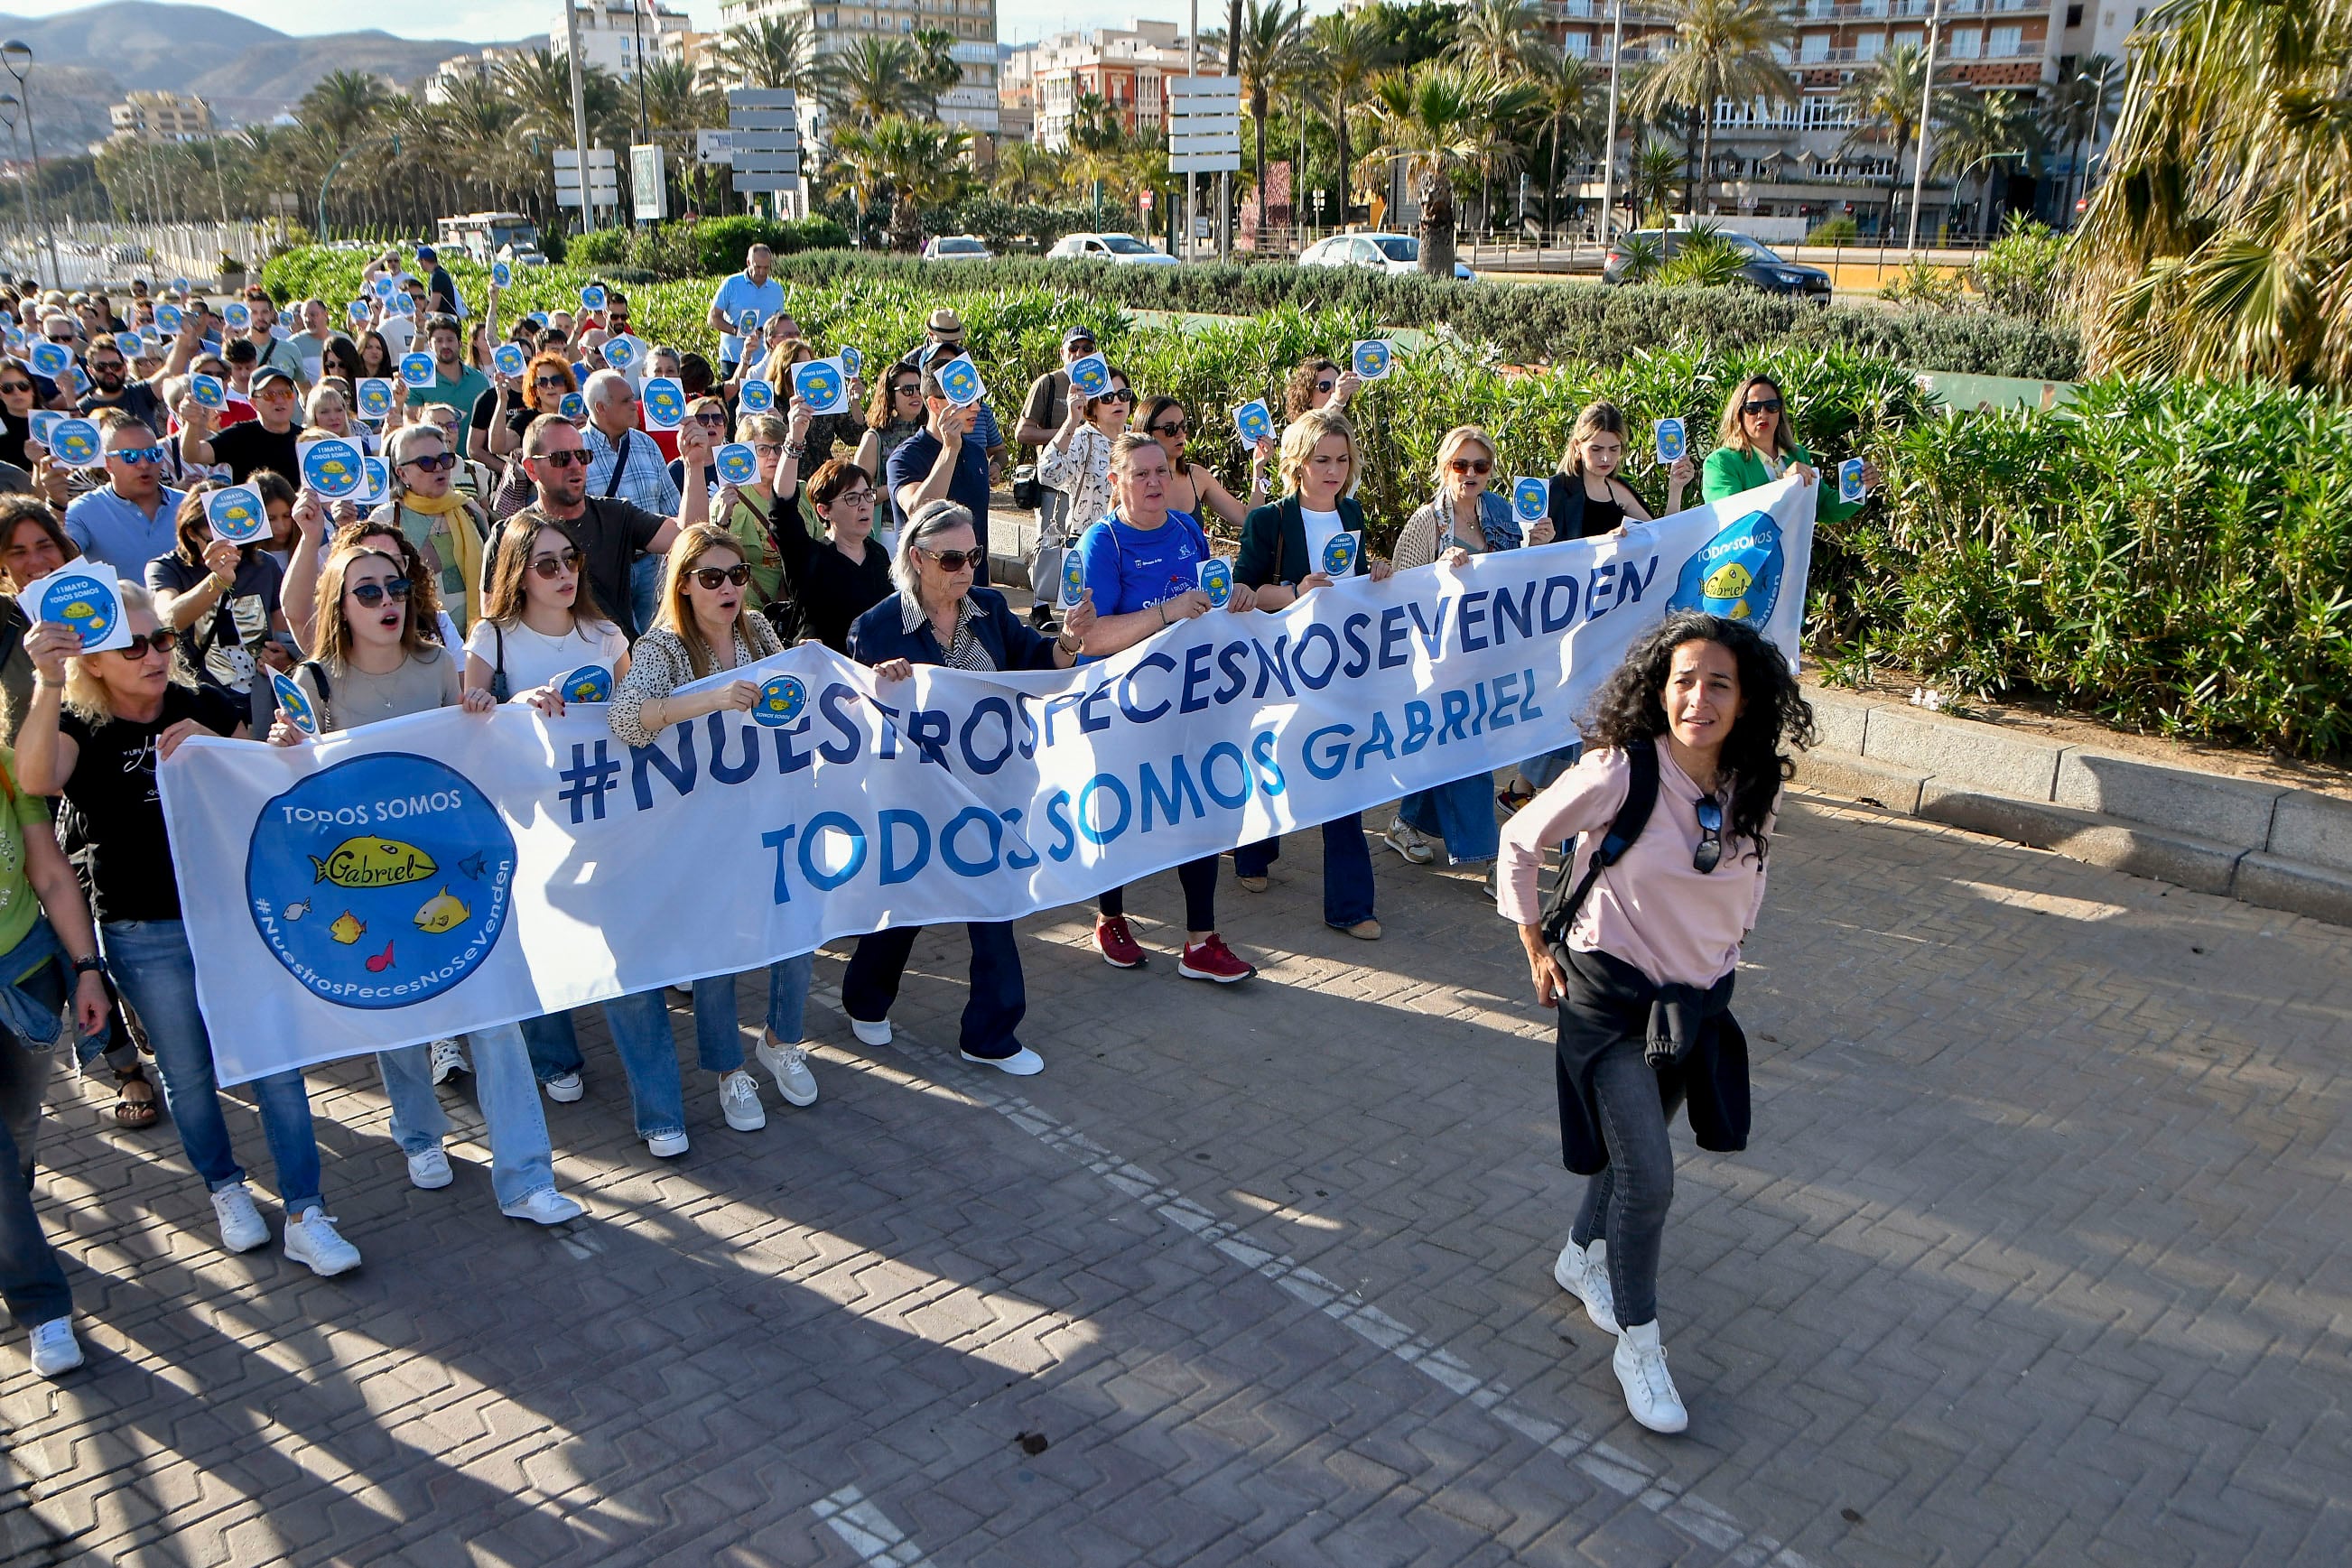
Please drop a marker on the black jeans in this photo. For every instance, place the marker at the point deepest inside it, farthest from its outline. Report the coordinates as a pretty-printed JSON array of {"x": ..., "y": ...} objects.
[
  {"x": 1625, "y": 1203},
  {"x": 1199, "y": 880},
  {"x": 31, "y": 1282}
]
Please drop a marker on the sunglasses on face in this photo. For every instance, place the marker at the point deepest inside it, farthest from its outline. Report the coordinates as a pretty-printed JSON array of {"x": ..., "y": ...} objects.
[
  {"x": 1169, "y": 427},
  {"x": 1709, "y": 853},
  {"x": 138, "y": 648},
  {"x": 909, "y": 390},
  {"x": 433, "y": 462},
  {"x": 566, "y": 459},
  {"x": 137, "y": 455},
  {"x": 375, "y": 594},
  {"x": 1471, "y": 465},
  {"x": 1324, "y": 386},
  {"x": 16, "y": 386},
  {"x": 552, "y": 567},
  {"x": 953, "y": 561},
  {"x": 710, "y": 577},
  {"x": 716, "y": 420},
  {"x": 558, "y": 382},
  {"x": 1121, "y": 395},
  {"x": 1760, "y": 405}
]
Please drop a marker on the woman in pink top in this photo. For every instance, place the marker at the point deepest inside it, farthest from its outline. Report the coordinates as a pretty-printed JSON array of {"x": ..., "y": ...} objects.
[{"x": 1640, "y": 957}]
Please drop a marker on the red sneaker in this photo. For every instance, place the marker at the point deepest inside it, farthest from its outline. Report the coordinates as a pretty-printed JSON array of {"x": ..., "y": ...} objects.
[
  {"x": 1212, "y": 960},
  {"x": 1117, "y": 944}
]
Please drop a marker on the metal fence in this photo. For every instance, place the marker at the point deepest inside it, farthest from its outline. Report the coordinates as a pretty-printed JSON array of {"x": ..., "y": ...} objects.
[{"x": 90, "y": 253}]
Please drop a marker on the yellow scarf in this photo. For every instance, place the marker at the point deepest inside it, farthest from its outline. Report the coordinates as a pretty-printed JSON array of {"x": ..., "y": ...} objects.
[{"x": 458, "y": 569}]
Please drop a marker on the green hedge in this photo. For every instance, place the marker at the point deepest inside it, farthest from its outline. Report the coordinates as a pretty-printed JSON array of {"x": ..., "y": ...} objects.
[{"x": 703, "y": 248}]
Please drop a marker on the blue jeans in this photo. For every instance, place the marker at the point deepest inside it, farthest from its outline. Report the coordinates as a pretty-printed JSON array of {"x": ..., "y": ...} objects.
[
  {"x": 645, "y": 590},
  {"x": 1462, "y": 813},
  {"x": 1626, "y": 1202},
  {"x": 31, "y": 1280},
  {"x": 639, "y": 1023},
  {"x": 521, "y": 1161},
  {"x": 993, "y": 1006},
  {"x": 157, "y": 976},
  {"x": 1346, "y": 868}
]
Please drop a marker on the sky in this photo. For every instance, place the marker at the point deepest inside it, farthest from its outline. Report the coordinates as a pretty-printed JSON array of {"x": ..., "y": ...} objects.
[{"x": 1018, "y": 21}]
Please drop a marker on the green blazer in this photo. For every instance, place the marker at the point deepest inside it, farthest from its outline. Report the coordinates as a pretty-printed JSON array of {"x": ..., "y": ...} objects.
[{"x": 1730, "y": 470}]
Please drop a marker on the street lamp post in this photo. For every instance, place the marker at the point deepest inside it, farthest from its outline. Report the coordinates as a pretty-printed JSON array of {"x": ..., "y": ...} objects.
[
  {"x": 1609, "y": 142},
  {"x": 1926, "y": 112},
  {"x": 17, "y": 55},
  {"x": 10, "y": 110}
]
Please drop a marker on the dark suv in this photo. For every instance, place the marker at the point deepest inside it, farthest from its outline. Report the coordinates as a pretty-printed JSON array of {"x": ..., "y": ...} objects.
[{"x": 1765, "y": 268}]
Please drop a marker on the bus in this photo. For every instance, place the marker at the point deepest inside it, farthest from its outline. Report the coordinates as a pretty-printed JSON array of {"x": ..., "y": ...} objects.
[{"x": 489, "y": 237}]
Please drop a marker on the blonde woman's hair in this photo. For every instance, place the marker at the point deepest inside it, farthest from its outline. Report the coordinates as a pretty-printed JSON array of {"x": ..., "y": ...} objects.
[
  {"x": 331, "y": 633},
  {"x": 1450, "y": 446},
  {"x": 1598, "y": 419},
  {"x": 1305, "y": 433},
  {"x": 85, "y": 694},
  {"x": 767, "y": 427},
  {"x": 1733, "y": 431},
  {"x": 676, "y": 614}
]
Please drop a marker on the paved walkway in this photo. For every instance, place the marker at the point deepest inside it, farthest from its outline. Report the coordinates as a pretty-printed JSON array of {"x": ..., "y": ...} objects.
[{"x": 2040, "y": 1256}]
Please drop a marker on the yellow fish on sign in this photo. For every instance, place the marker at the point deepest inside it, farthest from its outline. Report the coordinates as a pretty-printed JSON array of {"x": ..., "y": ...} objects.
[
  {"x": 374, "y": 862},
  {"x": 80, "y": 610},
  {"x": 1728, "y": 581},
  {"x": 442, "y": 912},
  {"x": 348, "y": 928}
]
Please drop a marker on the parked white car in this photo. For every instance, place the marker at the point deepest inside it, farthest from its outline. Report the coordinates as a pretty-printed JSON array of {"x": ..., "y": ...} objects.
[
  {"x": 1123, "y": 250},
  {"x": 957, "y": 248},
  {"x": 1380, "y": 253}
]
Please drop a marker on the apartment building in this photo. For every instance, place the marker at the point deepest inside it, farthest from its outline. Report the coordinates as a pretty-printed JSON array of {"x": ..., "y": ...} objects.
[
  {"x": 161, "y": 116},
  {"x": 833, "y": 25},
  {"x": 621, "y": 36},
  {"x": 1125, "y": 67}
]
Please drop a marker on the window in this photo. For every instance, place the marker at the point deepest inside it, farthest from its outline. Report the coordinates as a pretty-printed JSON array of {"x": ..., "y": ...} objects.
[
  {"x": 2002, "y": 42},
  {"x": 1870, "y": 46},
  {"x": 1579, "y": 46},
  {"x": 1965, "y": 43},
  {"x": 2073, "y": 15},
  {"x": 1816, "y": 46}
]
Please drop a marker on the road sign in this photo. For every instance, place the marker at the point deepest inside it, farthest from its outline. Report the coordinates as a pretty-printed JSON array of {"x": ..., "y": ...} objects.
[
  {"x": 763, "y": 132},
  {"x": 1204, "y": 125},
  {"x": 714, "y": 146},
  {"x": 647, "y": 187},
  {"x": 604, "y": 174}
]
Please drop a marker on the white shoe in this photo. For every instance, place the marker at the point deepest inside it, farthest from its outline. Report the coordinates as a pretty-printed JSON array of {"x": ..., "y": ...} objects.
[
  {"x": 1583, "y": 1272},
  {"x": 1023, "y": 1063},
  {"x": 55, "y": 1351},
  {"x": 875, "y": 1033},
  {"x": 789, "y": 1062},
  {"x": 241, "y": 1225},
  {"x": 1409, "y": 841},
  {"x": 739, "y": 1101},
  {"x": 447, "y": 1059},
  {"x": 545, "y": 1206},
  {"x": 666, "y": 1145},
  {"x": 1640, "y": 1366},
  {"x": 430, "y": 1170},
  {"x": 311, "y": 1239},
  {"x": 564, "y": 1088}
]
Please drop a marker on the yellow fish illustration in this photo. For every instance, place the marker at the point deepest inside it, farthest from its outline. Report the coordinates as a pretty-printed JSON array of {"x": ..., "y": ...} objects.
[
  {"x": 81, "y": 609},
  {"x": 443, "y": 911},
  {"x": 1739, "y": 610},
  {"x": 348, "y": 928},
  {"x": 1728, "y": 581},
  {"x": 374, "y": 862}
]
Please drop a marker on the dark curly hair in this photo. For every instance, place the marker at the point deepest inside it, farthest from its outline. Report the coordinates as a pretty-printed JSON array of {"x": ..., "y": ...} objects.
[{"x": 1631, "y": 705}]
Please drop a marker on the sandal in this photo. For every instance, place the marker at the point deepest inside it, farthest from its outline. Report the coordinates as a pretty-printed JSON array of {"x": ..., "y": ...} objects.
[{"x": 131, "y": 1109}]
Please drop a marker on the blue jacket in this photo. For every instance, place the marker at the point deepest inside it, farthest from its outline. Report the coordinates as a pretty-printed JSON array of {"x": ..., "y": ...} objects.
[{"x": 878, "y": 635}]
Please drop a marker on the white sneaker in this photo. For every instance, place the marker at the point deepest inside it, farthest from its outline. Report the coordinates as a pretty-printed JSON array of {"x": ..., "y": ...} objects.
[
  {"x": 875, "y": 1033},
  {"x": 789, "y": 1062},
  {"x": 1409, "y": 841},
  {"x": 1640, "y": 1366},
  {"x": 241, "y": 1225},
  {"x": 1023, "y": 1063},
  {"x": 545, "y": 1206},
  {"x": 738, "y": 1100},
  {"x": 55, "y": 1351},
  {"x": 1583, "y": 1272},
  {"x": 447, "y": 1059},
  {"x": 666, "y": 1145},
  {"x": 430, "y": 1170},
  {"x": 311, "y": 1239},
  {"x": 564, "y": 1088}
]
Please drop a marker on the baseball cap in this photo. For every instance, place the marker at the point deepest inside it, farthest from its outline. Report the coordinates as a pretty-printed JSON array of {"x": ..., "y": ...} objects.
[
  {"x": 268, "y": 373},
  {"x": 1075, "y": 335},
  {"x": 426, "y": 255}
]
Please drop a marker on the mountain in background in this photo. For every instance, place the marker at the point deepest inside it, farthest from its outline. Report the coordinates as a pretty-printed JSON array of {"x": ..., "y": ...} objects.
[{"x": 84, "y": 60}]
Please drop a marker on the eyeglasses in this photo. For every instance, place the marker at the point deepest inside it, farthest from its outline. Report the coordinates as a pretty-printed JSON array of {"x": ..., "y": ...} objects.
[
  {"x": 710, "y": 577},
  {"x": 1760, "y": 405},
  {"x": 958, "y": 560},
  {"x": 137, "y": 455},
  {"x": 433, "y": 462},
  {"x": 375, "y": 594},
  {"x": 138, "y": 648},
  {"x": 16, "y": 386},
  {"x": 578, "y": 455},
  {"x": 1709, "y": 853},
  {"x": 716, "y": 419},
  {"x": 552, "y": 567},
  {"x": 905, "y": 389},
  {"x": 854, "y": 499},
  {"x": 1171, "y": 427},
  {"x": 1471, "y": 465}
]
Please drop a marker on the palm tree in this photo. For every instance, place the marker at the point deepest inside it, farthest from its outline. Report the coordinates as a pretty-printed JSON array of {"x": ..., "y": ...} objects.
[
  {"x": 769, "y": 52},
  {"x": 1564, "y": 87},
  {"x": 1722, "y": 49},
  {"x": 1025, "y": 172},
  {"x": 936, "y": 69},
  {"x": 918, "y": 163},
  {"x": 1885, "y": 95},
  {"x": 1265, "y": 39},
  {"x": 344, "y": 103},
  {"x": 539, "y": 84},
  {"x": 1439, "y": 118},
  {"x": 1984, "y": 133},
  {"x": 1498, "y": 36},
  {"x": 2081, "y": 109},
  {"x": 1353, "y": 52},
  {"x": 873, "y": 79},
  {"x": 1652, "y": 188}
]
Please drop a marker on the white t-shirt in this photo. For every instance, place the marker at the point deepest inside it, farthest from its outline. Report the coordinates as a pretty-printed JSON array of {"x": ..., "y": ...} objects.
[
  {"x": 399, "y": 332},
  {"x": 1321, "y": 528},
  {"x": 534, "y": 658}
]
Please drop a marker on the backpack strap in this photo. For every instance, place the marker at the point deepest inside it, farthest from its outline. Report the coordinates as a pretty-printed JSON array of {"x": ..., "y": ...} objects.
[{"x": 1641, "y": 798}]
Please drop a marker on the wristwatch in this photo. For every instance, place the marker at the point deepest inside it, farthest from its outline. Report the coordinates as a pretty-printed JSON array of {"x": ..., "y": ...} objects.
[
  {"x": 89, "y": 965},
  {"x": 1066, "y": 645}
]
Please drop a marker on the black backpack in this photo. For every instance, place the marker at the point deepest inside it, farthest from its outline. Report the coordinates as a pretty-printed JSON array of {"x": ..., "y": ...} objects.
[{"x": 1641, "y": 795}]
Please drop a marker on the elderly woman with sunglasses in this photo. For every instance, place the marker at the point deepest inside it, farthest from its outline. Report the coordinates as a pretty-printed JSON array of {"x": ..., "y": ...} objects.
[
  {"x": 444, "y": 525},
  {"x": 1757, "y": 445},
  {"x": 940, "y": 617},
  {"x": 705, "y": 627},
  {"x": 98, "y": 728}
]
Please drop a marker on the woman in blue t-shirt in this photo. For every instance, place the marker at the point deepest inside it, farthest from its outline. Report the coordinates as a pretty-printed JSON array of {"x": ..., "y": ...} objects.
[{"x": 1142, "y": 565}]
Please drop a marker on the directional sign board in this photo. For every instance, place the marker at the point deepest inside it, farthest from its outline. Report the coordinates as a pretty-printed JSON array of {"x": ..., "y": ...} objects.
[
  {"x": 604, "y": 175},
  {"x": 764, "y": 134},
  {"x": 1204, "y": 124}
]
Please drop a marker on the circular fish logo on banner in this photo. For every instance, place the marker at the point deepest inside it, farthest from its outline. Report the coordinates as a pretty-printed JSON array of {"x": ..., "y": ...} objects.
[
  {"x": 817, "y": 383},
  {"x": 1090, "y": 375},
  {"x": 1074, "y": 579},
  {"x": 747, "y": 322},
  {"x": 756, "y": 397},
  {"x": 237, "y": 515},
  {"x": 77, "y": 442},
  {"x": 128, "y": 345},
  {"x": 573, "y": 406},
  {"x": 376, "y": 397},
  {"x": 501, "y": 274},
  {"x": 1531, "y": 500},
  {"x": 737, "y": 463},
  {"x": 381, "y": 882},
  {"x": 1737, "y": 574},
  {"x": 782, "y": 700},
  {"x": 416, "y": 370},
  {"x": 210, "y": 392},
  {"x": 664, "y": 404},
  {"x": 294, "y": 705},
  {"x": 588, "y": 683},
  {"x": 377, "y": 482},
  {"x": 357, "y": 310},
  {"x": 852, "y": 362},
  {"x": 1217, "y": 577},
  {"x": 959, "y": 381},
  {"x": 621, "y": 352},
  {"x": 402, "y": 305},
  {"x": 332, "y": 467},
  {"x": 1340, "y": 554},
  {"x": 592, "y": 297},
  {"x": 384, "y": 288},
  {"x": 1672, "y": 442},
  {"x": 51, "y": 358},
  {"x": 239, "y": 317},
  {"x": 1372, "y": 359},
  {"x": 80, "y": 602},
  {"x": 507, "y": 359},
  {"x": 168, "y": 317}
]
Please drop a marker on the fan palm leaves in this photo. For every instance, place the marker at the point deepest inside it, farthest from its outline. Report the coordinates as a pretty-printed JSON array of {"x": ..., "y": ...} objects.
[
  {"x": 1565, "y": 88},
  {"x": 769, "y": 52},
  {"x": 1983, "y": 134},
  {"x": 2082, "y": 107},
  {"x": 873, "y": 79},
  {"x": 1503, "y": 36},
  {"x": 344, "y": 103},
  {"x": 1440, "y": 120},
  {"x": 1885, "y": 98},
  {"x": 1722, "y": 49},
  {"x": 1266, "y": 36},
  {"x": 917, "y": 163},
  {"x": 1353, "y": 50}
]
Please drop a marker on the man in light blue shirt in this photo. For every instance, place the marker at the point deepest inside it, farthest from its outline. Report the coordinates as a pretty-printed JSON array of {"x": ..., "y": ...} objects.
[
  {"x": 750, "y": 289},
  {"x": 134, "y": 517}
]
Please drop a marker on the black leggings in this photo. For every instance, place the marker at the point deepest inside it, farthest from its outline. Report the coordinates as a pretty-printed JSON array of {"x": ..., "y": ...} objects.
[{"x": 1200, "y": 881}]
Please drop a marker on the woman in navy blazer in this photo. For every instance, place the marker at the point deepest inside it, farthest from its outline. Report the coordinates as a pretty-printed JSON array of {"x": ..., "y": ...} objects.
[
  {"x": 939, "y": 617},
  {"x": 1282, "y": 557}
]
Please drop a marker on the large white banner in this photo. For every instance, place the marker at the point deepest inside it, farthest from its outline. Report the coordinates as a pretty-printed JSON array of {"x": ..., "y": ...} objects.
[{"x": 424, "y": 876}]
